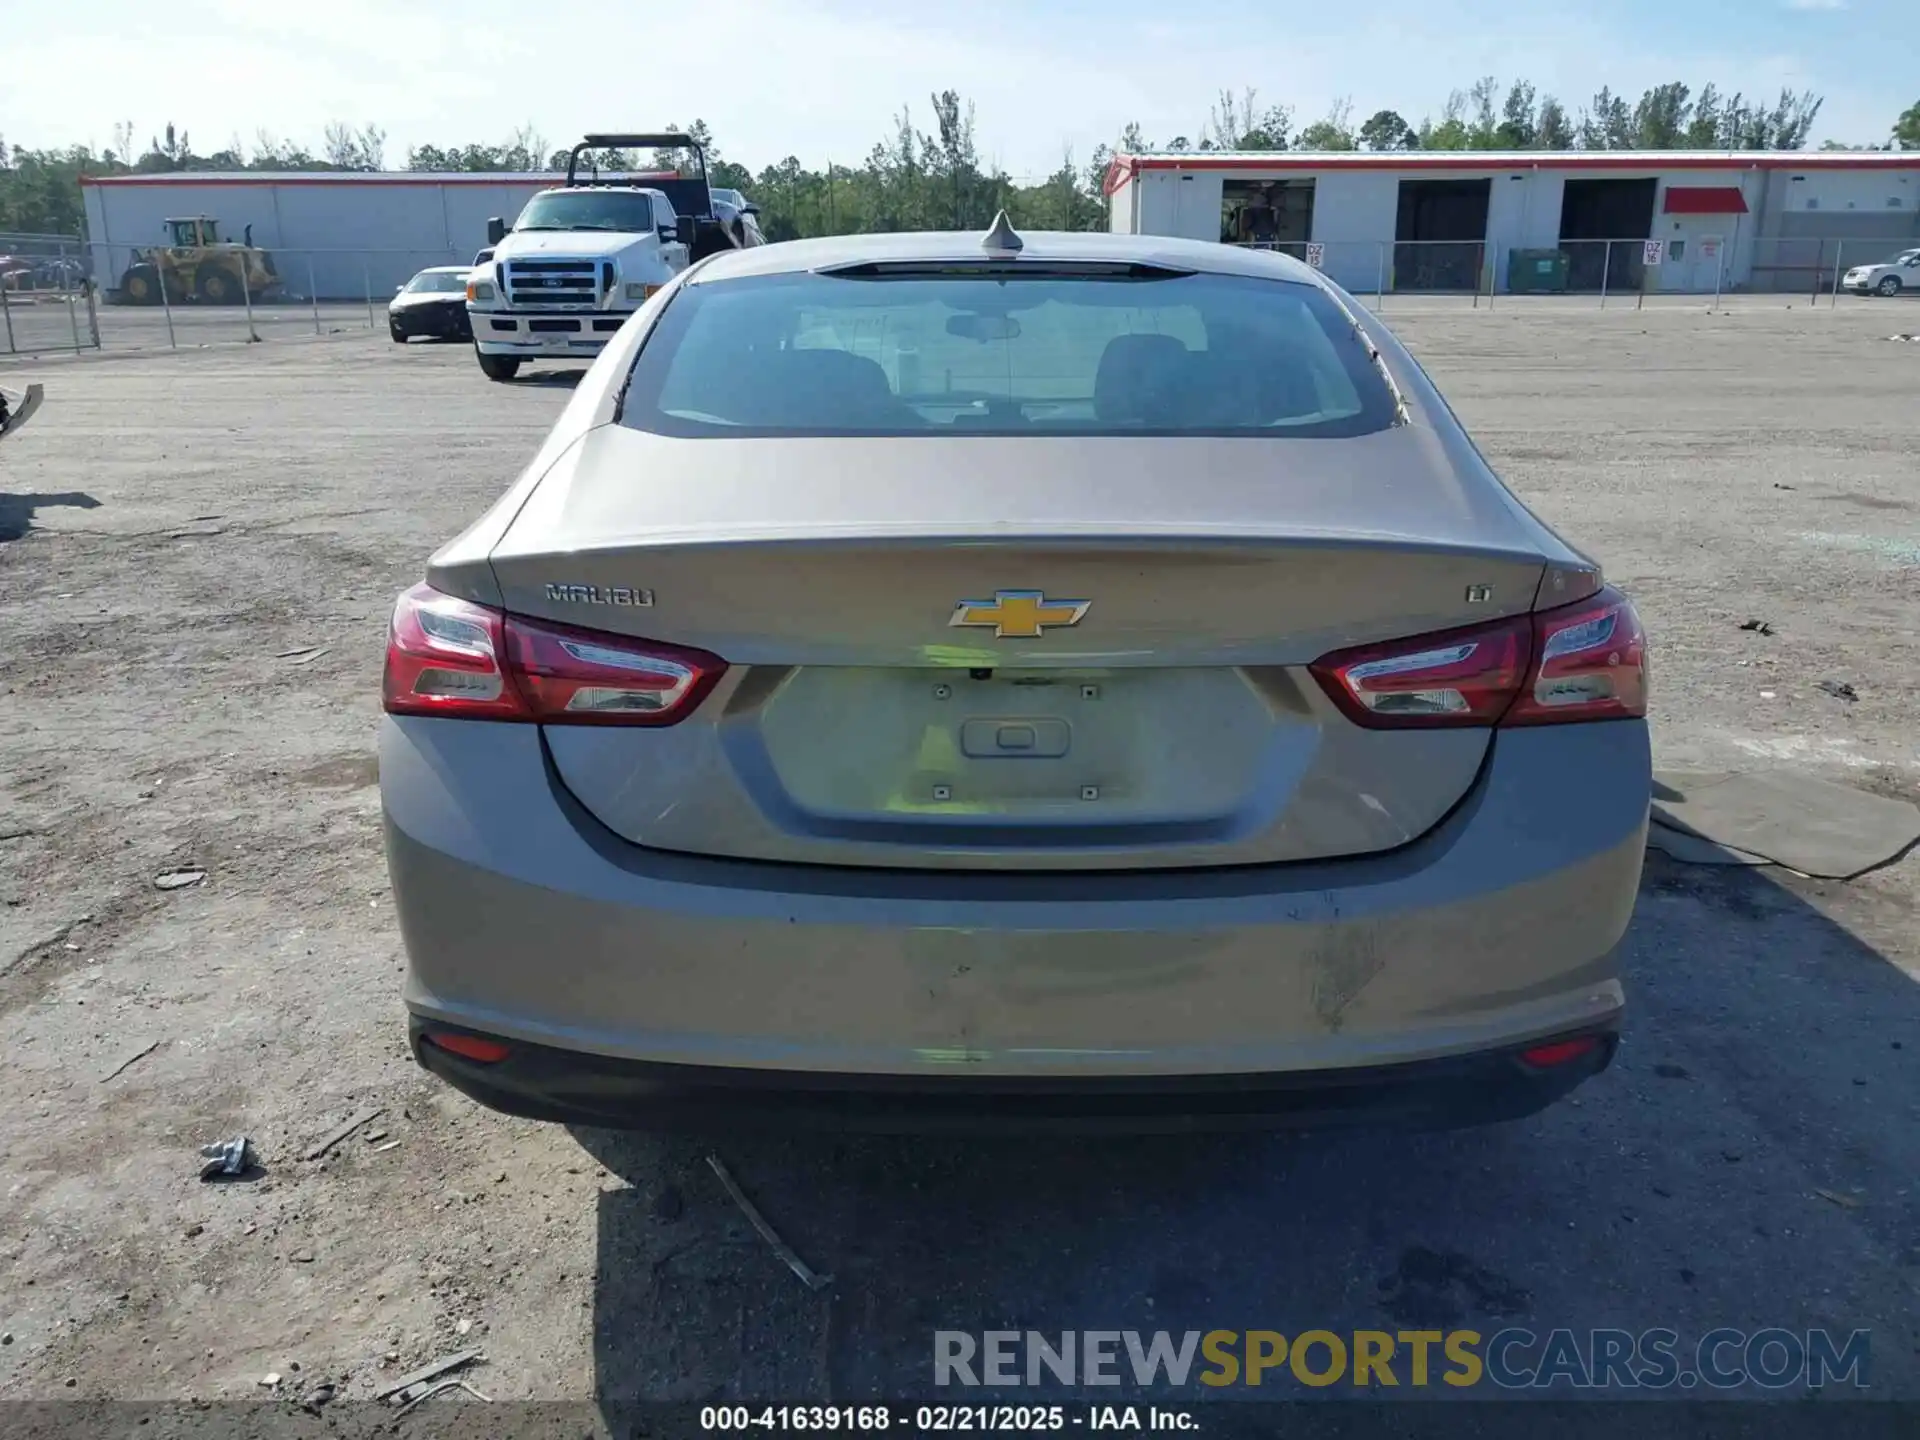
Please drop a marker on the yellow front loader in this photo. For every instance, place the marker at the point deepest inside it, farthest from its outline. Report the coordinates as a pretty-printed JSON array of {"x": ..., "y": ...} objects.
[{"x": 196, "y": 264}]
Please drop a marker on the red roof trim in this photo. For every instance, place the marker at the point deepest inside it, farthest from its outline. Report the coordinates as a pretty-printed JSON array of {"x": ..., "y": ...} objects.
[
  {"x": 1548, "y": 160},
  {"x": 401, "y": 181},
  {"x": 1704, "y": 200}
]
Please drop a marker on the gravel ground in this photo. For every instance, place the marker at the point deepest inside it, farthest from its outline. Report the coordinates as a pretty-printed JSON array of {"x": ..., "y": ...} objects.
[{"x": 197, "y": 554}]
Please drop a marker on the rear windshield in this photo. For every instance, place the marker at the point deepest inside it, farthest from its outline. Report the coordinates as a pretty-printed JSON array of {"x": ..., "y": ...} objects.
[{"x": 813, "y": 354}]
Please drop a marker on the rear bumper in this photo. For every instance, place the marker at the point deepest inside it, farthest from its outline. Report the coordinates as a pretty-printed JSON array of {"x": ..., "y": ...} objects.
[
  {"x": 525, "y": 919},
  {"x": 533, "y": 336},
  {"x": 542, "y": 1083}
]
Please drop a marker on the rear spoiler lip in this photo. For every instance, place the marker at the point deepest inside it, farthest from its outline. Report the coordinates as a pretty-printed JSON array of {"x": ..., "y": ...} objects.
[{"x": 999, "y": 268}]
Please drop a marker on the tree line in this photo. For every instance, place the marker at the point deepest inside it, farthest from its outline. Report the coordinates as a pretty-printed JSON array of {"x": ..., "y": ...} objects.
[{"x": 914, "y": 178}]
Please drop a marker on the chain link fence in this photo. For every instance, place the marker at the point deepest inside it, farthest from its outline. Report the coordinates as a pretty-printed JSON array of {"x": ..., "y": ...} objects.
[
  {"x": 1605, "y": 273},
  {"x": 46, "y": 294},
  {"x": 76, "y": 295},
  {"x": 60, "y": 293}
]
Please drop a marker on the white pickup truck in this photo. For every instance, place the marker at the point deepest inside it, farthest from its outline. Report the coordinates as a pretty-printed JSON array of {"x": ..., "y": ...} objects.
[{"x": 585, "y": 255}]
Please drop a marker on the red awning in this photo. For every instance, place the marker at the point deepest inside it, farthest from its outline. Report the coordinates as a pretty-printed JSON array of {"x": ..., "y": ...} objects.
[{"x": 1705, "y": 200}]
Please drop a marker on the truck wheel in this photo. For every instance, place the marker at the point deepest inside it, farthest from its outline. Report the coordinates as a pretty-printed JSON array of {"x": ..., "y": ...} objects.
[
  {"x": 498, "y": 367},
  {"x": 1889, "y": 286},
  {"x": 216, "y": 287},
  {"x": 141, "y": 285}
]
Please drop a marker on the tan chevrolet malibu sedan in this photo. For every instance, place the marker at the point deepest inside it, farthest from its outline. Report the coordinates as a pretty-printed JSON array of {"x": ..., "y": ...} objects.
[{"x": 1046, "y": 681}]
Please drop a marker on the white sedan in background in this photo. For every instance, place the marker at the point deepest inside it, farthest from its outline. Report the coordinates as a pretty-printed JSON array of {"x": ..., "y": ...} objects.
[{"x": 1889, "y": 277}]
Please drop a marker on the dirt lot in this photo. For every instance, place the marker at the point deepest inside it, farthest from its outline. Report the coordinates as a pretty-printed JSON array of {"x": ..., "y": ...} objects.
[{"x": 197, "y": 554}]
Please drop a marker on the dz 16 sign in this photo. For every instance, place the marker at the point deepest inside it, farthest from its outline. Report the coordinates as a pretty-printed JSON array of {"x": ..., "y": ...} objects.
[{"x": 1652, "y": 252}]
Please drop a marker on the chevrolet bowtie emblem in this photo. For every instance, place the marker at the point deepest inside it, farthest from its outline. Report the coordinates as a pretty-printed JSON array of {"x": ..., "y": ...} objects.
[{"x": 1019, "y": 614}]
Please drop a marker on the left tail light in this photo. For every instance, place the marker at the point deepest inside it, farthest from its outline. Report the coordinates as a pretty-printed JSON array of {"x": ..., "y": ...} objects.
[
  {"x": 1585, "y": 661},
  {"x": 453, "y": 658}
]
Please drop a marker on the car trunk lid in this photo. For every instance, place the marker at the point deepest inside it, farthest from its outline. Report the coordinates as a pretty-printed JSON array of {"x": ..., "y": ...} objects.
[{"x": 1110, "y": 673}]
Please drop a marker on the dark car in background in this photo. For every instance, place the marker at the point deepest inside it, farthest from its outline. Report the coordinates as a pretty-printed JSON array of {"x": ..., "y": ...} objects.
[
  {"x": 433, "y": 303},
  {"x": 739, "y": 214}
]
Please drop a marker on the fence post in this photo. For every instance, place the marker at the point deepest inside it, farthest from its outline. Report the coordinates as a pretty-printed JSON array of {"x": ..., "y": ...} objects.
[
  {"x": 93, "y": 313},
  {"x": 1491, "y": 265},
  {"x": 366, "y": 274},
  {"x": 7, "y": 311},
  {"x": 1606, "y": 265},
  {"x": 166, "y": 303},
  {"x": 1839, "y": 248},
  {"x": 1380, "y": 284},
  {"x": 1719, "y": 274},
  {"x": 73, "y": 315},
  {"x": 313, "y": 296},
  {"x": 246, "y": 294}
]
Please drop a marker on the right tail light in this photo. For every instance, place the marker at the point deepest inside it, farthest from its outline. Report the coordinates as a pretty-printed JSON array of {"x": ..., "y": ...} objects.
[
  {"x": 1589, "y": 663},
  {"x": 1585, "y": 661}
]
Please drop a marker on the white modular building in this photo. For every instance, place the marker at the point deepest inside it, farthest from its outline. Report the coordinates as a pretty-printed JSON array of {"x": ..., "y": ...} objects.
[
  {"x": 335, "y": 235},
  {"x": 1537, "y": 221}
]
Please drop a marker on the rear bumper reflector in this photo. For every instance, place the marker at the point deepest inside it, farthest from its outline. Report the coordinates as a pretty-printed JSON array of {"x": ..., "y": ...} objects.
[
  {"x": 468, "y": 1047},
  {"x": 1560, "y": 1052}
]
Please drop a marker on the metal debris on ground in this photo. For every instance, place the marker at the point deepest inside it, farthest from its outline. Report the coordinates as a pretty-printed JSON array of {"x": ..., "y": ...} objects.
[
  {"x": 767, "y": 1232},
  {"x": 1845, "y": 1202},
  {"x": 1839, "y": 689},
  {"x": 178, "y": 879},
  {"x": 441, "y": 1388},
  {"x": 425, "y": 1375},
  {"x": 1801, "y": 822},
  {"x": 382, "y": 1149},
  {"x": 135, "y": 1058},
  {"x": 227, "y": 1158},
  {"x": 305, "y": 657},
  {"x": 17, "y": 407},
  {"x": 335, "y": 1136},
  {"x": 1759, "y": 627}
]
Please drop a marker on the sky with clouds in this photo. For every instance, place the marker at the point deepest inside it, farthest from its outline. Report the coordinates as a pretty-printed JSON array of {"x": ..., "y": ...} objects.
[{"x": 820, "y": 79}]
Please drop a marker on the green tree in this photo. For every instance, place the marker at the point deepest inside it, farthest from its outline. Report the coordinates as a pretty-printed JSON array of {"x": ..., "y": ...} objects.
[
  {"x": 1519, "y": 119},
  {"x": 1388, "y": 130},
  {"x": 1235, "y": 124},
  {"x": 1608, "y": 125},
  {"x": 1703, "y": 125},
  {"x": 1906, "y": 130},
  {"x": 1451, "y": 133},
  {"x": 1552, "y": 130},
  {"x": 1660, "y": 119},
  {"x": 1483, "y": 130},
  {"x": 1335, "y": 132}
]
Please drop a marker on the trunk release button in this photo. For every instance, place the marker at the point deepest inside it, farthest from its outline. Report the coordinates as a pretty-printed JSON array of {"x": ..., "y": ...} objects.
[{"x": 1015, "y": 739}]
